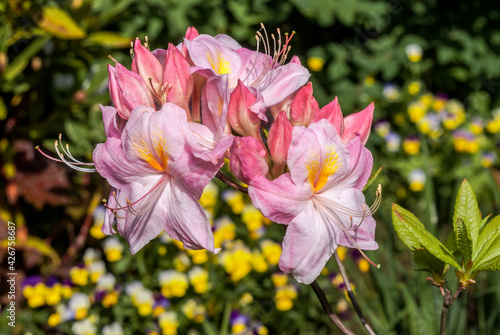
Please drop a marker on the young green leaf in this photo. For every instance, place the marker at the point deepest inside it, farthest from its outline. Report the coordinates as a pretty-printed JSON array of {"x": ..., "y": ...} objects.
[
  {"x": 372, "y": 178},
  {"x": 414, "y": 235},
  {"x": 451, "y": 244},
  {"x": 463, "y": 241},
  {"x": 466, "y": 208},
  {"x": 488, "y": 258},
  {"x": 427, "y": 260}
]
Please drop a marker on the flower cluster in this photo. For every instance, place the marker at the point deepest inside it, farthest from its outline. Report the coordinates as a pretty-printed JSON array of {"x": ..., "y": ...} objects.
[{"x": 179, "y": 113}]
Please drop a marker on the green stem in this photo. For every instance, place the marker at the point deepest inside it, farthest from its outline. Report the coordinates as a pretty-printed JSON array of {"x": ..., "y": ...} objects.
[
  {"x": 225, "y": 318},
  {"x": 429, "y": 188}
]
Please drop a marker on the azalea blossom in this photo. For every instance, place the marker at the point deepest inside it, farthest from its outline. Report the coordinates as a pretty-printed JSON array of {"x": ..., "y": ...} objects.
[
  {"x": 157, "y": 77},
  {"x": 265, "y": 72},
  {"x": 156, "y": 180},
  {"x": 320, "y": 199}
]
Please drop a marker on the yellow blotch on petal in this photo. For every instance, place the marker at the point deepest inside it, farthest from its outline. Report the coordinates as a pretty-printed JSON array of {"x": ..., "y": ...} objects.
[
  {"x": 158, "y": 158},
  {"x": 219, "y": 64},
  {"x": 318, "y": 174}
]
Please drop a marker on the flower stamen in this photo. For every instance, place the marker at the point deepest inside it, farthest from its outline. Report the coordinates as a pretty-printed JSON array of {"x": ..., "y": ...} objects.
[
  {"x": 74, "y": 163},
  {"x": 328, "y": 211}
]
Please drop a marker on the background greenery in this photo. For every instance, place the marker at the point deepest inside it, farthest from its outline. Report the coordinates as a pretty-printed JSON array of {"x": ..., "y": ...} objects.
[{"x": 53, "y": 59}]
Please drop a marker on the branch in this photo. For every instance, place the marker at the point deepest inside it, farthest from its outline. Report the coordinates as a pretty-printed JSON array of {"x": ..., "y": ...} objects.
[
  {"x": 448, "y": 300},
  {"x": 231, "y": 183},
  {"x": 328, "y": 309},
  {"x": 351, "y": 295}
]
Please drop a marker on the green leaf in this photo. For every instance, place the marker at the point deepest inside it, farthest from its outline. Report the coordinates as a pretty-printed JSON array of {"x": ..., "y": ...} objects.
[
  {"x": 427, "y": 260},
  {"x": 372, "y": 178},
  {"x": 488, "y": 258},
  {"x": 463, "y": 241},
  {"x": 57, "y": 22},
  {"x": 450, "y": 243},
  {"x": 108, "y": 39},
  {"x": 466, "y": 208},
  {"x": 414, "y": 235}
]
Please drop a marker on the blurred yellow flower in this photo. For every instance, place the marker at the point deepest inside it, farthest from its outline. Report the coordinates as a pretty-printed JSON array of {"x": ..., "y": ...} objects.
[
  {"x": 284, "y": 297},
  {"x": 271, "y": 251},
  {"x": 414, "y": 87},
  {"x": 315, "y": 64}
]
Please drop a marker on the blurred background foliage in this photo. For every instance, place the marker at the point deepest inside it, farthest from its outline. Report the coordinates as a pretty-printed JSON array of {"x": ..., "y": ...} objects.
[{"x": 432, "y": 70}]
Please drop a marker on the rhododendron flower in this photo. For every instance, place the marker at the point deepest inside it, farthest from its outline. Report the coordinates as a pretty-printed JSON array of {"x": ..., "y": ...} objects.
[
  {"x": 320, "y": 199},
  {"x": 265, "y": 72},
  {"x": 156, "y": 179},
  {"x": 156, "y": 77}
]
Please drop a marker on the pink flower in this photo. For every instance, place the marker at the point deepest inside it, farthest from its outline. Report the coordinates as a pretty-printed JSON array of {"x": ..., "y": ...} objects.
[
  {"x": 249, "y": 159},
  {"x": 273, "y": 79},
  {"x": 246, "y": 110},
  {"x": 156, "y": 179},
  {"x": 320, "y": 199},
  {"x": 157, "y": 77}
]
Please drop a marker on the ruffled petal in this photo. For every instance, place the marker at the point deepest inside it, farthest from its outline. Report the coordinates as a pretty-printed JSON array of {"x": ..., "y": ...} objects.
[
  {"x": 279, "y": 200},
  {"x": 347, "y": 208},
  {"x": 307, "y": 246},
  {"x": 149, "y": 211},
  {"x": 185, "y": 219}
]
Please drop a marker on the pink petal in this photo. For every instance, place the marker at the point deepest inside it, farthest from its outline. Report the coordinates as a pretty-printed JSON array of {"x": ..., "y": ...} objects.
[
  {"x": 112, "y": 121},
  {"x": 214, "y": 100},
  {"x": 307, "y": 246},
  {"x": 354, "y": 200},
  {"x": 147, "y": 66},
  {"x": 317, "y": 156},
  {"x": 132, "y": 89},
  {"x": 333, "y": 114},
  {"x": 212, "y": 56},
  {"x": 358, "y": 124},
  {"x": 109, "y": 217},
  {"x": 177, "y": 75},
  {"x": 185, "y": 219},
  {"x": 248, "y": 159},
  {"x": 279, "y": 200},
  {"x": 304, "y": 106},
  {"x": 191, "y": 33},
  {"x": 360, "y": 164},
  {"x": 112, "y": 164},
  {"x": 241, "y": 118},
  {"x": 193, "y": 172},
  {"x": 295, "y": 60},
  {"x": 280, "y": 137},
  {"x": 283, "y": 81},
  {"x": 152, "y": 139},
  {"x": 141, "y": 227}
]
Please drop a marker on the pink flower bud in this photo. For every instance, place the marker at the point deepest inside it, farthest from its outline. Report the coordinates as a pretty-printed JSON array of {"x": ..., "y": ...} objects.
[
  {"x": 128, "y": 90},
  {"x": 358, "y": 124},
  {"x": 304, "y": 106},
  {"x": 244, "y": 110},
  {"x": 280, "y": 136},
  {"x": 295, "y": 60},
  {"x": 248, "y": 159},
  {"x": 177, "y": 80},
  {"x": 147, "y": 66},
  {"x": 283, "y": 105},
  {"x": 332, "y": 113},
  {"x": 191, "y": 33}
]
